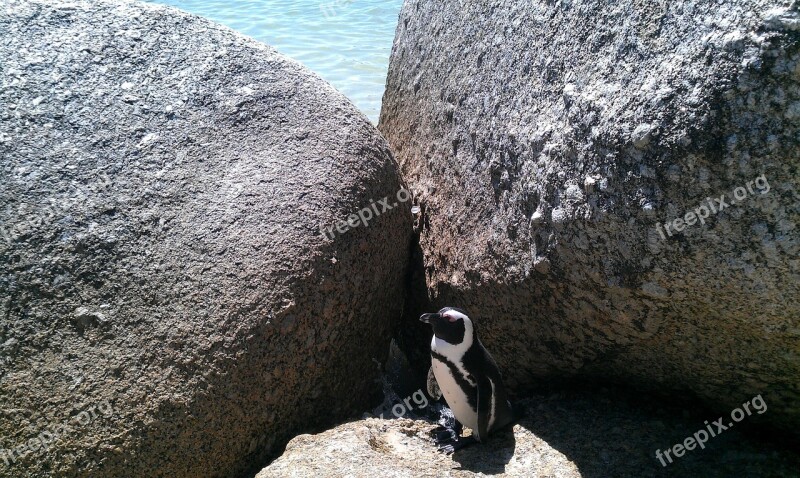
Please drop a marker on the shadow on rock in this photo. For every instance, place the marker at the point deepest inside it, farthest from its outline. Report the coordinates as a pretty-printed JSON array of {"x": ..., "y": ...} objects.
[
  {"x": 611, "y": 433},
  {"x": 489, "y": 458}
]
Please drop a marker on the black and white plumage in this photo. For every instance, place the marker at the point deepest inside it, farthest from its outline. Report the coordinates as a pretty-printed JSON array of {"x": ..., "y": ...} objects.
[{"x": 467, "y": 376}]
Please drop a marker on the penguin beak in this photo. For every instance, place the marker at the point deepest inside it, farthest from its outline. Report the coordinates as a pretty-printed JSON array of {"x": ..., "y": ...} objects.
[{"x": 427, "y": 318}]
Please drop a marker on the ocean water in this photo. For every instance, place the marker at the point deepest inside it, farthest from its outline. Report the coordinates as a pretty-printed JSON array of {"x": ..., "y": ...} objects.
[{"x": 347, "y": 42}]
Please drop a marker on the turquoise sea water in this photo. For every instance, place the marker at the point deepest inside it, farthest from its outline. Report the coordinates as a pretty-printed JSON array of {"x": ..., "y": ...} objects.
[{"x": 347, "y": 42}]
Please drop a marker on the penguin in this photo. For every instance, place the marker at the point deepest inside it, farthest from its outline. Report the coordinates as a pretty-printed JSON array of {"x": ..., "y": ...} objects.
[{"x": 469, "y": 379}]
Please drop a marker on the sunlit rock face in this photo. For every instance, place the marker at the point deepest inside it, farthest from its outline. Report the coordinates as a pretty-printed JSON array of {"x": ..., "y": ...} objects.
[
  {"x": 168, "y": 289},
  {"x": 610, "y": 188}
]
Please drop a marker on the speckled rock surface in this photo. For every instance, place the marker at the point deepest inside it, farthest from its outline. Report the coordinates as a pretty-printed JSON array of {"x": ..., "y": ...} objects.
[
  {"x": 548, "y": 140},
  {"x": 167, "y": 295},
  {"x": 565, "y": 435}
]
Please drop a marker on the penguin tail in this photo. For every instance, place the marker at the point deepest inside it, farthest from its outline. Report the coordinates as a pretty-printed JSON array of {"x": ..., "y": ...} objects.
[{"x": 518, "y": 412}]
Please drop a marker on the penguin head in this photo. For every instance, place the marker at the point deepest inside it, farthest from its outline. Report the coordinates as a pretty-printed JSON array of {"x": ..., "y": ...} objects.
[{"x": 449, "y": 324}]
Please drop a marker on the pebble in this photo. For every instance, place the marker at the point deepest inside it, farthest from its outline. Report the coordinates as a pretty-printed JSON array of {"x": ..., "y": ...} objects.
[{"x": 641, "y": 135}]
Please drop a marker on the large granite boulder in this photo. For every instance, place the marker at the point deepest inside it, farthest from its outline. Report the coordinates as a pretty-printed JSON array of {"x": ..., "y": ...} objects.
[
  {"x": 569, "y": 158},
  {"x": 178, "y": 297}
]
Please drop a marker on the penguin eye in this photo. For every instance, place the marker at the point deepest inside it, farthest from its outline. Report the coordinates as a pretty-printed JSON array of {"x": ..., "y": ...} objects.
[{"x": 451, "y": 318}]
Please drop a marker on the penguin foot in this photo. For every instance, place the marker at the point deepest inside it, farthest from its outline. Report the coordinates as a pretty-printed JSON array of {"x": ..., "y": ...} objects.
[
  {"x": 455, "y": 445},
  {"x": 442, "y": 435}
]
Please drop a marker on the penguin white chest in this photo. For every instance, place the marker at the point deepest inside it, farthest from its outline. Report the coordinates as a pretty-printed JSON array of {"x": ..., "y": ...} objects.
[{"x": 454, "y": 395}]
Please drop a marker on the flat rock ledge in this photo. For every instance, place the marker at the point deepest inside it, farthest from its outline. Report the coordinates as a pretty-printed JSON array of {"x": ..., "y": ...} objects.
[{"x": 564, "y": 435}]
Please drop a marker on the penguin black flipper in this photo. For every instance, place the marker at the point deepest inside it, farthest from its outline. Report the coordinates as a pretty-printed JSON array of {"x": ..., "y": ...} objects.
[
  {"x": 489, "y": 382},
  {"x": 484, "y": 408}
]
